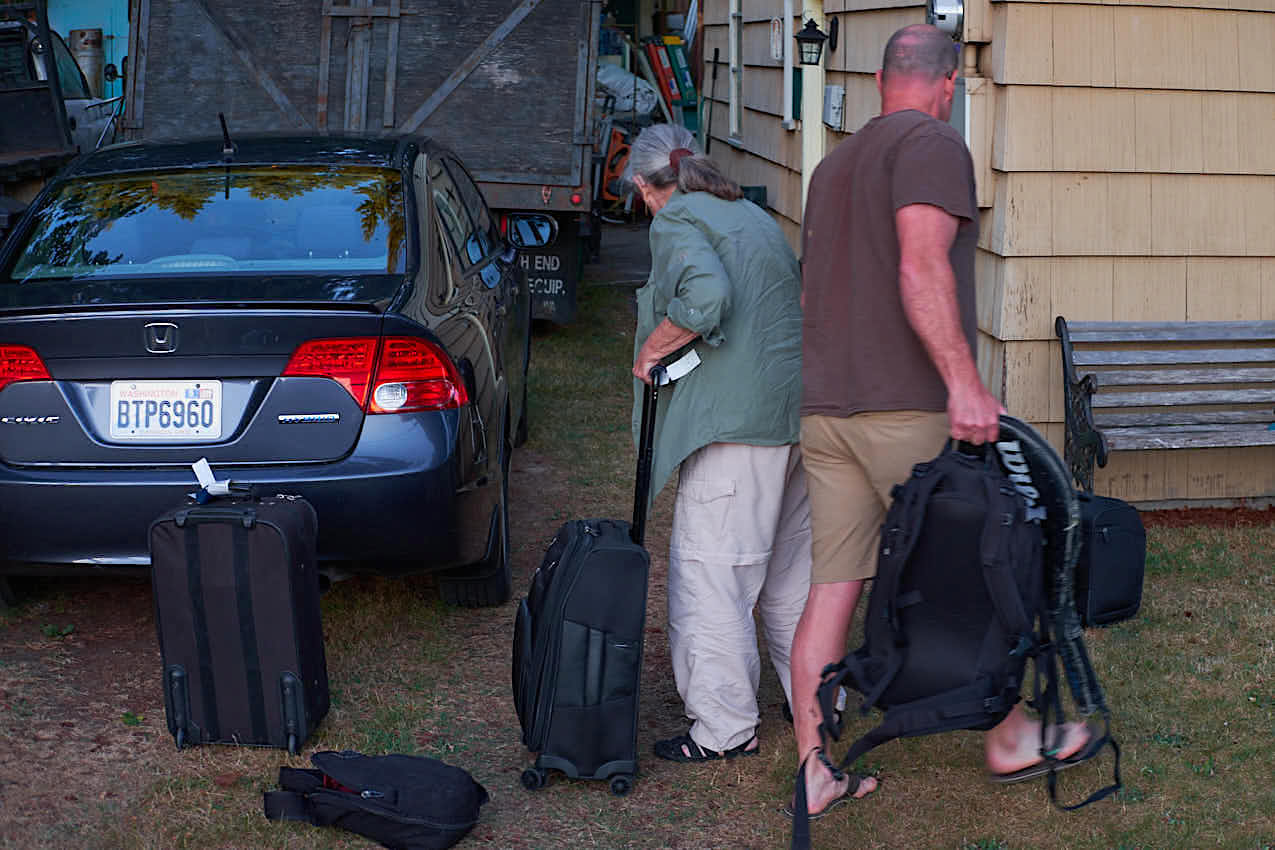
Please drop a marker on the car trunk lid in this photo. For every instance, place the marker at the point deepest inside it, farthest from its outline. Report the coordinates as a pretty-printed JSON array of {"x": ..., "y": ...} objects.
[{"x": 167, "y": 387}]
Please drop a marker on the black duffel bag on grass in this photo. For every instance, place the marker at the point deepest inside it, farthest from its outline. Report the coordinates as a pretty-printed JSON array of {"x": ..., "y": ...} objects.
[
  {"x": 1113, "y": 556},
  {"x": 404, "y": 802}
]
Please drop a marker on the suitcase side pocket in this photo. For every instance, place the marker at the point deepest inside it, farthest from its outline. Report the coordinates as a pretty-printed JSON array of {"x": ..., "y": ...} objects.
[{"x": 523, "y": 672}]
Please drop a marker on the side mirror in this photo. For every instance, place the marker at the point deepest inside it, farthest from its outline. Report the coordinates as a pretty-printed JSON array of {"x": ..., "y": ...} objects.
[{"x": 531, "y": 230}]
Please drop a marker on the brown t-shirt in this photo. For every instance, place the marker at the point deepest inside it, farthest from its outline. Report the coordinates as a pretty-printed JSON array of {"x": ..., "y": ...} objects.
[{"x": 858, "y": 351}]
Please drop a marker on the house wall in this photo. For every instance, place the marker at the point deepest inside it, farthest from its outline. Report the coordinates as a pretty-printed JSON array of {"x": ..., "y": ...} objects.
[
  {"x": 1125, "y": 158},
  {"x": 1132, "y": 181},
  {"x": 764, "y": 154}
]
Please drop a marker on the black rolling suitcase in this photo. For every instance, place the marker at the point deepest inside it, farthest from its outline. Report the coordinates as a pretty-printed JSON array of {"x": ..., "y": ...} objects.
[
  {"x": 577, "y": 655},
  {"x": 236, "y": 589}
]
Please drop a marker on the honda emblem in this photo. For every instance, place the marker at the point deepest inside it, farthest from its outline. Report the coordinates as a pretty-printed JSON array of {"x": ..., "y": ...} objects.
[{"x": 161, "y": 337}]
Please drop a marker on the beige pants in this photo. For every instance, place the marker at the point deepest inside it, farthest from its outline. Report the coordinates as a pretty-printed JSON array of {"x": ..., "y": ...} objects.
[
  {"x": 853, "y": 463},
  {"x": 740, "y": 540}
]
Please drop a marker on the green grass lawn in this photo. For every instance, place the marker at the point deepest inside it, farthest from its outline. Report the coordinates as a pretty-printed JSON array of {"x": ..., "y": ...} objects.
[{"x": 1190, "y": 681}]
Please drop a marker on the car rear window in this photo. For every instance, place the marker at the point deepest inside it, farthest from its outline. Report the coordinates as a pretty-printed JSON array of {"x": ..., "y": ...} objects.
[{"x": 335, "y": 234}]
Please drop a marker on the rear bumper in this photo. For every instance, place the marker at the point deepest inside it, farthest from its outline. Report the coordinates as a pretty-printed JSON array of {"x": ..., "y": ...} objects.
[{"x": 392, "y": 504}]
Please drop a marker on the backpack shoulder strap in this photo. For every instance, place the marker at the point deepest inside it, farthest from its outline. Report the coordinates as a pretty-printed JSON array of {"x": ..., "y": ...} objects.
[
  {"x": 998, "y": 571},
  {"x": 293, "y": 802}
]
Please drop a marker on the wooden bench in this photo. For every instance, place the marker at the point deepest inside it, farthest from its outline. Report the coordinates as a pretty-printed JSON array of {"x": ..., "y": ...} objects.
[{"x": 1164, "y": 385}]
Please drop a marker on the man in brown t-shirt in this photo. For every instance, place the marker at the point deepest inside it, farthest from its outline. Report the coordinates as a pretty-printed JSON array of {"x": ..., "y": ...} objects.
[{"x": 888, "y": 371}]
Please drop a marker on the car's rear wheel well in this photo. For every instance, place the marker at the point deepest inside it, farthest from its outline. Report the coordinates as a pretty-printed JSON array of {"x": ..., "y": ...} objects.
[{"x": 490, "y": 581}]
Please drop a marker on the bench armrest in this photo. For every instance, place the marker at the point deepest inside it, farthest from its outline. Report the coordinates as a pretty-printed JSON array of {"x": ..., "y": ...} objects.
[{"x": 1083, "y": 443}]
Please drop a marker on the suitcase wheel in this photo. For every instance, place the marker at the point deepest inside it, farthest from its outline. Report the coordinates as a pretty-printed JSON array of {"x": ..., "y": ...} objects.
[
  {"x": 621, "y": 784},
  {"x": 534, "y": 778},
  {"x": 292, "y": 743}
]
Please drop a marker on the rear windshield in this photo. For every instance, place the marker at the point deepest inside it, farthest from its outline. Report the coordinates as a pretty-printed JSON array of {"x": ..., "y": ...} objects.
[{"x": 244, "y": 233}]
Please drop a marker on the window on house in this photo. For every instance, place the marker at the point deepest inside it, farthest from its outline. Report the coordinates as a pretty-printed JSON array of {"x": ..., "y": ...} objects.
[{"x": 736, "y": 69}]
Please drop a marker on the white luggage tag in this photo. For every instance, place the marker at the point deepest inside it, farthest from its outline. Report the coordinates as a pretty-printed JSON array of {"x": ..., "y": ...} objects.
[
  {"x": 208, "y": 483},
  {"x": 681, "y": 367}
]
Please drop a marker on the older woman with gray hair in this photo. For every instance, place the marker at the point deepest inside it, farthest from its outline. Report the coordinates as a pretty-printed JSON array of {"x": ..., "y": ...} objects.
[{"x": 725, "y": 283}]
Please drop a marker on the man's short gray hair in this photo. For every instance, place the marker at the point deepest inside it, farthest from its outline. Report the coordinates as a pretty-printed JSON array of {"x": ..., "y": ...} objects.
[
  {"x": 920, "y": 51},
  {"x": 650, "y": 157}
]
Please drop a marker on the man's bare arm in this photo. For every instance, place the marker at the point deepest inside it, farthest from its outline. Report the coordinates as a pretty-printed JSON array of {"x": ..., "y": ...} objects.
[{"x": 927, "y": 286}]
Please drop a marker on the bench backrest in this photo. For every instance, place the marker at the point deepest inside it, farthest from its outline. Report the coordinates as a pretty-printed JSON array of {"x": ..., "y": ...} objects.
[{"x": 1189, "y": 374}]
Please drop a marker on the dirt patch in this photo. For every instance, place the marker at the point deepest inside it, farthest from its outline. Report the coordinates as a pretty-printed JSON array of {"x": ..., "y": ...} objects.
[{"x": 77, "y": 710}]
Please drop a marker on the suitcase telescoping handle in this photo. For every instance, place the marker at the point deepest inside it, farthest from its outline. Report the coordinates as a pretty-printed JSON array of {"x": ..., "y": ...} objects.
[{"x": 646, "y": 450}]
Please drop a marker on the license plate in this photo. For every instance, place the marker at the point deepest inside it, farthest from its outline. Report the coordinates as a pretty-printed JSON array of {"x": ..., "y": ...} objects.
[{"x": 165, "y": 410}]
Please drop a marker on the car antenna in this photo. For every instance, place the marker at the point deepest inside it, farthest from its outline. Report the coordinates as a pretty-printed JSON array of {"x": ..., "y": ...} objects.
[{"x": 227, "y": 150}]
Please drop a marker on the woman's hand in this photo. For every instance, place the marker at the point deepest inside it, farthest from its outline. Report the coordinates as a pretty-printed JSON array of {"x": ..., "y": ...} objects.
[
  {"x": 663, "y": 341},
  {"x": 643, "y": 365}
]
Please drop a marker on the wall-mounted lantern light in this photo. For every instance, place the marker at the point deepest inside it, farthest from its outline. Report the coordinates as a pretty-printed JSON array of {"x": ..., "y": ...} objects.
[{"x": 810, "y": 41}]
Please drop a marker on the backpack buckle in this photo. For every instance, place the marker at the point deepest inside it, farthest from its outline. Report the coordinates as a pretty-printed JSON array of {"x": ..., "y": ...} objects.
[{"x": 1024, "y": 647}]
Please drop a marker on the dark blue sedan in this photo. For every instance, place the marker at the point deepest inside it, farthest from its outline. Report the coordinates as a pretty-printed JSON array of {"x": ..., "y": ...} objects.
[{"x": 335, "y": 317}]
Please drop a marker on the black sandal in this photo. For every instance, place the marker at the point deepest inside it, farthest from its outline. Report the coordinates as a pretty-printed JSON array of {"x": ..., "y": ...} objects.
[{"x": 683, "y": 749}]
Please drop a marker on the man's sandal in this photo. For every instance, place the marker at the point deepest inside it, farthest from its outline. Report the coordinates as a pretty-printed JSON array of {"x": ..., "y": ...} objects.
[
  {"x": 684, "y": 749},
  {"x": 846, "y": 797}
]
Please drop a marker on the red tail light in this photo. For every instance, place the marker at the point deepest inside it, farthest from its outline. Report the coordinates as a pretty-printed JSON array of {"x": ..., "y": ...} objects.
[
  {"x": 20, "y": 363},
  {"x": 411, "y": 374},
  {"x": 348, "y": 361}
]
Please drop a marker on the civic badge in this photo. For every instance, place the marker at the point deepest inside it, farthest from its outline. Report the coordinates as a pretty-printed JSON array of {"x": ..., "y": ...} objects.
[{"x": 161, "y": 337}]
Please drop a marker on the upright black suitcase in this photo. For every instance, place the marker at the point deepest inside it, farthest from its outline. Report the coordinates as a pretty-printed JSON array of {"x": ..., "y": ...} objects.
[
  {"x": 577, "y": 655},
  {"x": 236, "y": 589}
]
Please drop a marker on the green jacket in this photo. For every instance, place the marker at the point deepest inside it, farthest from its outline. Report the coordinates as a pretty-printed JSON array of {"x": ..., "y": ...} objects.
[{"x": 724, "y": 270}]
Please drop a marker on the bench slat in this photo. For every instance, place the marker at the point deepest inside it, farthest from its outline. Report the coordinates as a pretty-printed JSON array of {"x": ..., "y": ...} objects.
[
  {"x": 1167, "y": 357},
  {"x": 1161, "y": 438},
  {"x": 1170, "y": 331},
  {"x": 1159, "y": 377},
  {"x": 1181, "y": 417},
  {"x": 1181, "y": 397}
]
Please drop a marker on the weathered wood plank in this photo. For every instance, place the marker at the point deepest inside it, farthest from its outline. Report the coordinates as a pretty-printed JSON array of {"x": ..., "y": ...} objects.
[
  {"x": 1216, "y": 428},
  {"x": 1162, "y": 377},
  {"x": 1176, "y": 417},
  {"x": 1159, "y": 438},
  {"x": 1164, "y": 357},
  {"x": 325, "y": 66},
  {"x": 1170, "y": 331},
  {"x": 1171, "y": 398},
  {"x": 467, "y": 67},
  {"x": 223, "y": 26},
  {"x": 391, "y": 66}
]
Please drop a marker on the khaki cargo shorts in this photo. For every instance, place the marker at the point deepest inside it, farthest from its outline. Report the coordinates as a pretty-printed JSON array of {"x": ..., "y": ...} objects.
[{"x": 852, "y": 463}]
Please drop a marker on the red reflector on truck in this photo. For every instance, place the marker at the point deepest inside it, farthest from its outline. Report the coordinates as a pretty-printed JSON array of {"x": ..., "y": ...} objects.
[
  {"x": 20, "y": 363},
  {"x": 411, "y": 374}
]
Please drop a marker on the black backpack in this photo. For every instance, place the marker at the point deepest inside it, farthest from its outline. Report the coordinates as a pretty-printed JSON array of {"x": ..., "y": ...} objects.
[
  {"x": 404, "y": 802},
  {"x": 973, "y": 574}
]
